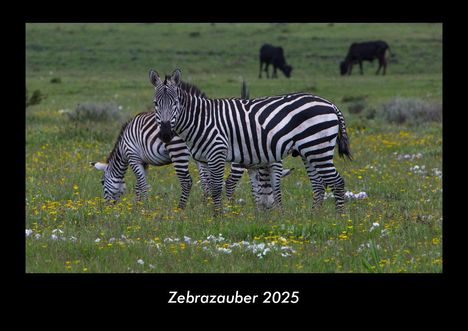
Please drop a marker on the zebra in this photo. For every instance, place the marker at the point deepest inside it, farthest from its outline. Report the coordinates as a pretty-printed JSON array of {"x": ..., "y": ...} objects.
[
  {"x": 138, "y": 145},
  {"x": 255, "y": 133},
  {"x": 265, "y": 196}
]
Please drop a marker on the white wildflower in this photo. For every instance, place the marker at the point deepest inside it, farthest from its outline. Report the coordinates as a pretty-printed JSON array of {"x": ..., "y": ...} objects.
[
  {"x": 224, "y": 250},
  {"x": 97, "y": 240},
  {"x": 141, "y": 262},
  {"x": 28, "y": 232},
  {"x": 374, "y": 226},
  {"x": 361, "y": 195},
  {"x": 37, "y": 236},
  {"x": 53, "y": 237}
]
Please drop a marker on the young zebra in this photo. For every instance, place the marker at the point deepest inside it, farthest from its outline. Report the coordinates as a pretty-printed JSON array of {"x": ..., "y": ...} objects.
[
  {"x": 255, "y": 133},
  {"x": 138, "y": 146}
]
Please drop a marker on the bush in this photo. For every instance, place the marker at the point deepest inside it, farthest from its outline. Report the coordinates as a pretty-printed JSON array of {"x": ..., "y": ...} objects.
[
  {"x": 35, "y": 99},
  {"x": 56, "y": 80},
  {"x": 370, "y": 113},
  {"x": 356, "y": 104},
  {"x": 412, "y": 111},
  {"x": 357, "y": 107},
  {"x": 95, "y": 112}
]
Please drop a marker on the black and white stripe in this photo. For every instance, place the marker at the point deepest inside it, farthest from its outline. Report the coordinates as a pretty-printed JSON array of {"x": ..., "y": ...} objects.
[
  {"x": 255, "y": 132},
  {"x": 138, "y": 146}
]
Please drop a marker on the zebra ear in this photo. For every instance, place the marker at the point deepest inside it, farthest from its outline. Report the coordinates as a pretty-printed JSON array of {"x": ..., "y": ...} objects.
[
  {"x": 154, "y": 77},
  {"x": 176, "y": 76},
  {"x": 99, "y": 165}
]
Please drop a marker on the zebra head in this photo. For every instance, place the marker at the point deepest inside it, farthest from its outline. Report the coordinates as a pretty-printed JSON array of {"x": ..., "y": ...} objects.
[
  {"x": 113, "y": 188},
  {"x": 166, "y": 102}
]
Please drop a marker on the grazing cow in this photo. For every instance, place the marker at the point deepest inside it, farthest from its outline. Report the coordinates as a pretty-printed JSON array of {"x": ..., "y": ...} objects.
[
  {"x": 273, "y": 55},
  {"x": 365, "y": 51}
]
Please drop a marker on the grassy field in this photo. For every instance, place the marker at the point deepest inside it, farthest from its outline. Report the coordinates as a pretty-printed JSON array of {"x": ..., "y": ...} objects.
[{"x": 69, "y": 228}]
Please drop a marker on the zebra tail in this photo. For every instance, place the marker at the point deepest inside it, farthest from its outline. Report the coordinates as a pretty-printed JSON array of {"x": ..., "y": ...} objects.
[
  {"x": 342, "y": 139},
  {"x": 244, "y": 91}
]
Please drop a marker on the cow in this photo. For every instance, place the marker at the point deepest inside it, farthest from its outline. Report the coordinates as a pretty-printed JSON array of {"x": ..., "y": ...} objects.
[
  {"x": 270, "y": 54},
  {"x": 365, "y": 51}
]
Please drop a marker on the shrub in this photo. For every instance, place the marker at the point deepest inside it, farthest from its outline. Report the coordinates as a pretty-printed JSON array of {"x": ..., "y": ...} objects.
[
  {"x": 35, "y": 98},
  {"x": 357, "y": 107},
  {"x": 412, "y": 111},
  {"x": 95, "y": 112},
  {"x": 56, "y": 80},
  {"x": 370, "y": 113}
]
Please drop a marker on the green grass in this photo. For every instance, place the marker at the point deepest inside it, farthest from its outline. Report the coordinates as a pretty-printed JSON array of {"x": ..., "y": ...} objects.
[{"x": 110, "y": 63}]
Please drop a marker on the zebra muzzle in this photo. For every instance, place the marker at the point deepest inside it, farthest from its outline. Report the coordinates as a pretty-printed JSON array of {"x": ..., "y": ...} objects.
[{"x": 165, "y": 133}]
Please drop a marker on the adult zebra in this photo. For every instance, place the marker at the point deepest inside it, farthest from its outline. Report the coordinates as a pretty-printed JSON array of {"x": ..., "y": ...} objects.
[
  {"x": 265, "y": 195},
  {"x": 255, "y": 133}
]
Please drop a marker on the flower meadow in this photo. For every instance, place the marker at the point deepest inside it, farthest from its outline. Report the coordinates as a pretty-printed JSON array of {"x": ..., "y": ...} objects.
[
  {"x": 393, "y": 212},
  {"x": 393, "y": 221}
]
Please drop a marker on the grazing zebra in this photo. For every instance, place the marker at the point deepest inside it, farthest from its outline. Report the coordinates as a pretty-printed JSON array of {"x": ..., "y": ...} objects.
[
  {"x": 255, "y": 133},
  {"x": 138, "y": 146}
]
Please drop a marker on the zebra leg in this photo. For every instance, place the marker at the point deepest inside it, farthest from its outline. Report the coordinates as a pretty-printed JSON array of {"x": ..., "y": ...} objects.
[
  {"x": 275, "y": 172},
  {"x": 186, "y": 184},
  {"x": 332, "y": 178},
  {"x": 265, "y": 189},
  {"x": 180, "y": 161},
  {"x": 231, "y": 182},
  {"x": 140, "y": 186},
  {"x": 254, "y": 182},
  {"x": 216, "y": 166},
  {"x": 318, "y": 186},
  {"x": 337, "y": 185},
  {"x": 204, "y": 179}
]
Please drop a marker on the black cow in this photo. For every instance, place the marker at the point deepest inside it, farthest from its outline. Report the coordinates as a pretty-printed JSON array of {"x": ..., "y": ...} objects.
[
  {"x": 274, "y": 55},
  {"x": 365, "y": 51}
]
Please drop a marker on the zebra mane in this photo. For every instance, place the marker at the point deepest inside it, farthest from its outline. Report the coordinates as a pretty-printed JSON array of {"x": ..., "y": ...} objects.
[
  {"x": 189, "y": 88},
  {"x": 119, "y": 138}
]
